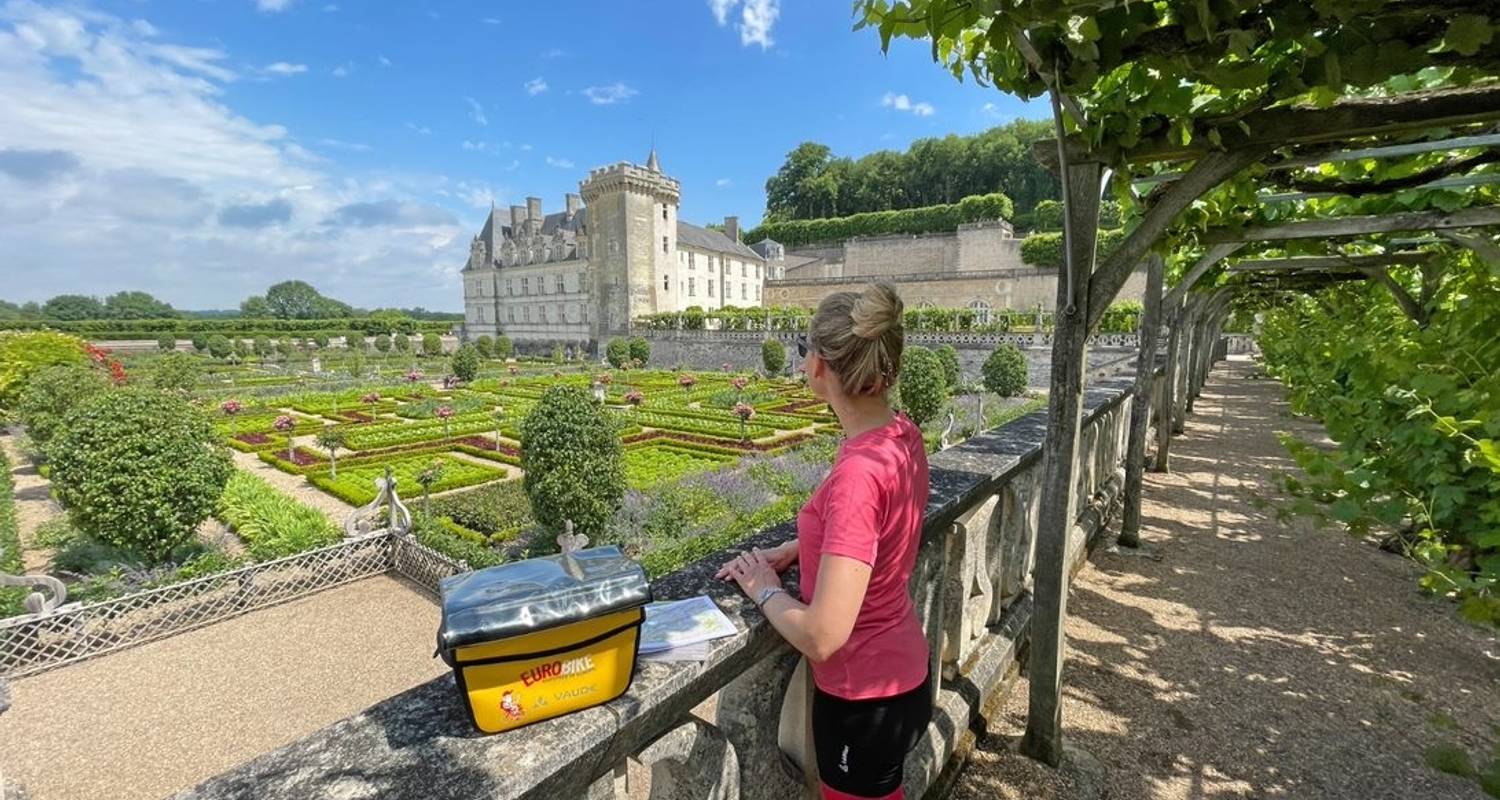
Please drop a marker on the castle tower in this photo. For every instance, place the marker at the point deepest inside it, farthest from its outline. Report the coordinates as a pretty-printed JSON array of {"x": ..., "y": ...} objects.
[{"x": 632, "y": 231}]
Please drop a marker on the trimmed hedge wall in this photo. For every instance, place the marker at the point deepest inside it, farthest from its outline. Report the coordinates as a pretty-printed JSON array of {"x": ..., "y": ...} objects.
[
  {"x": 241, "y": 328},
  {"x": 10, "y": 542},
  {"x": 927, "y": 219},
  {"x": 1045, "y": 249}
]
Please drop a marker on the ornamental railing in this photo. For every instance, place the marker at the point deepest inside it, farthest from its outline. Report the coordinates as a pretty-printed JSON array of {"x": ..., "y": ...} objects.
[{"x": 971, "y": 589}]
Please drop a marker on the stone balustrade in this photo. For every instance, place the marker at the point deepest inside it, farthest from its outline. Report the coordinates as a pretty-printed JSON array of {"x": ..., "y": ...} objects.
[{"x": 971, "y": 592}]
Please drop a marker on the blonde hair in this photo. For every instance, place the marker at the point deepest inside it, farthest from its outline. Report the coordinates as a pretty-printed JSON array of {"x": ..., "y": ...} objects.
[{"x": 860, "y": 337}]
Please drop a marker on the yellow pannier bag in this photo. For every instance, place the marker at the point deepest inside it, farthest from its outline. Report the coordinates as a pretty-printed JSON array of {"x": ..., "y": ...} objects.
[{"x": 536, "y": 639}]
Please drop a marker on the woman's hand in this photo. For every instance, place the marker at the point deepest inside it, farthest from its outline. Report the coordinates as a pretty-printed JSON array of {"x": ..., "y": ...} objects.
[
  {"x": 752, "y": 571},
  {"x": 780, "y": 558}
]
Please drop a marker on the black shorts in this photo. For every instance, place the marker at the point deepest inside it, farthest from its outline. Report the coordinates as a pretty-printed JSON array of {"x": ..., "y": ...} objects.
[{"x": 862, "y": 744}]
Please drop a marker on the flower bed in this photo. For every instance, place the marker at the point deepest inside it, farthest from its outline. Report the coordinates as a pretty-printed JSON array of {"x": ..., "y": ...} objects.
[
  {"x": 303, "y": 459},
  {"x": 356, "y": 482},
  {"x": 727, "y": 429},
  {"x": 486, "y": 443},
  {"x": 389, "y": 434},
  {"x": 657, "y": 463},
  {"x": 271, "y": 524},
  {"x": 256, "y": 442},
  {"x": 714, "y": 444}
]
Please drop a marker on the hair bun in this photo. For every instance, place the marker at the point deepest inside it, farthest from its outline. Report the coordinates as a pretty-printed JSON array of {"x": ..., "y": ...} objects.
[{"x": 876, "y": 312}]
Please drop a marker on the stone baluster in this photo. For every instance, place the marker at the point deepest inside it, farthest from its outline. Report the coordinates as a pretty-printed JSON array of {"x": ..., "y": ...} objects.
[
  {"x": 693, "y": 761},
  {"x": 764, "y": 713},
  {"x": 969, "y": 591},
  {"x": 1022, "y": 505}
]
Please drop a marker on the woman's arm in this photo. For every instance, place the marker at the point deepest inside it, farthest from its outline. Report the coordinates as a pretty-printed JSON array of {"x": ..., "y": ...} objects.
[{"x": 818, "y": 629}]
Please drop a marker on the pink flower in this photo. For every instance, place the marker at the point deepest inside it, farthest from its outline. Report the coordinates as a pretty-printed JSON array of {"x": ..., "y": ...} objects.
[
  {"x": 744, "y": 411},
  {"x": 372, "y": 398},
  {"x": 728, "y": 366},
  {"x": 414, "y": 376},
  {"x": 605, "y": 378},
  {"x": 230, "y": 407},
  {"x": 284, "y": 423},
  {"x": 686, "y": 381},
  {"x": 634, "y": 397},
  {"x": 514, "y": 369},
  {"x": 740, "y": 383},
  {"x": 443, "y": 412}
]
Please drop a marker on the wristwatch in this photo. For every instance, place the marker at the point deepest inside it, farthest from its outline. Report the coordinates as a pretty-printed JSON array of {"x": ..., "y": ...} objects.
[{"x": 766, "y": 594}]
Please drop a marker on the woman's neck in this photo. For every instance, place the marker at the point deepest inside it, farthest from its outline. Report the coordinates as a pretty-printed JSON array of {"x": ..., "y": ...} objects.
[{"x": 861, "y": 413}]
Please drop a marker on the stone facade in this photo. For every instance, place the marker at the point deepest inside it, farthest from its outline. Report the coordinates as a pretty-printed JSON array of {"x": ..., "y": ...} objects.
[
  {"x": 616, "y": 252},
  {"x": 978, "y": 266}
]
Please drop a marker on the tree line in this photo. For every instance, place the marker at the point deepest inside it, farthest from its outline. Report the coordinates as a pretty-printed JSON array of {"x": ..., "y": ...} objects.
[
  {"x": 812, "y": 183},
  {"x": 286, "y": 300}
]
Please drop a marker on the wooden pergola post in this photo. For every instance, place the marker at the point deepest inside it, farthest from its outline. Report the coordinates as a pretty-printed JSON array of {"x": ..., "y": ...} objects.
[
  {"x": 1165, "y": 402},
  {"x": 1140, "y": 404},
  {"x": 1043, "y": 739}
]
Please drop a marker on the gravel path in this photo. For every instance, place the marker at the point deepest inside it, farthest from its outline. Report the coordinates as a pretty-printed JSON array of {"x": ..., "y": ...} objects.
[
  {"x": 34, "y": 503},
  {"x": 155, "y": 719},
  {"x": 1257, "y": 657}
]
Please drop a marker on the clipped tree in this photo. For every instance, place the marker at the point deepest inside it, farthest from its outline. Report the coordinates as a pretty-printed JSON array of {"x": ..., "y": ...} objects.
[
  {"x": 51, "y": 394},
  {"x": 175, "y": 372},
  {"x": 640, "y": 350},
  {"x": 465, "y": 362},
  {"x": 557, "y": 353},
  {"x": 219, "y": 346},
  {"x": 432, "y": 344},
  {"x": 922, "y": 386},
  {"x": 200, "y": 342},
  {"x": 284, "y": 348},
  {"x": 166, "y": 342},
  {"x": 573, "y": 461},
  {"x": 22, "y": 355},
  {"x": 320, "y": 340},
  {"x": 1005, "y": 371},
  {"x": 773, "y": 356},
  {"x": 242, "y": 349},
  {"x": 617, "y": 353},
  {"x": 331, "y": 438},
  {"x": 354, "y": 341},
  {"x": 952, "y": 373},
  {"x": 383, "y": 343},
  {"x": 401, "y": 342},
  {"x": 485, "y": 345},
  {"x": 263, "y": 348},
  {"x": 139, "y": 470},
  {"x": 504, "y": 347}
]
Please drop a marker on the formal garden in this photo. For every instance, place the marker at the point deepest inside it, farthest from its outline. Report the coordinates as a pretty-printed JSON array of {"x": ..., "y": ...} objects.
[{"x": 173, "y": 465}]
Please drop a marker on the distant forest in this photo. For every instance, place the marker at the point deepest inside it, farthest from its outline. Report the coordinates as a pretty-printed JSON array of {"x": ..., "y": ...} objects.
[
  {"x": 286, "y": 300},
  {"x": 813, "y": 184}
]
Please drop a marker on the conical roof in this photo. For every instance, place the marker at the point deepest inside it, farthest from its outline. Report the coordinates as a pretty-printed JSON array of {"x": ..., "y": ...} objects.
[{"x": 651, "y": 162}]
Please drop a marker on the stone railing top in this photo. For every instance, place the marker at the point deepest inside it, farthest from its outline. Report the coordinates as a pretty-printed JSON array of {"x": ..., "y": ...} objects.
[{"x": 420, "y": 743}]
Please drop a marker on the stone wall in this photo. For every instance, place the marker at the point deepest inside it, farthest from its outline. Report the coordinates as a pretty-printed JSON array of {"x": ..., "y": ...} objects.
[
  {"x": 1024, "y": 288},
  {"x": 971, "y": 591}
]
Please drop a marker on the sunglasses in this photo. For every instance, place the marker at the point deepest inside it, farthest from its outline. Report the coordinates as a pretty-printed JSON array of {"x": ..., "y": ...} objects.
[{"x": 802, "y": 345}]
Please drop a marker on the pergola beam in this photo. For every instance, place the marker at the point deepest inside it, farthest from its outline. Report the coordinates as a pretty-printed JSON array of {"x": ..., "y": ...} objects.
[
  {"x": 1358, "y": 225},
  {"x": 1333, "y": 263}
]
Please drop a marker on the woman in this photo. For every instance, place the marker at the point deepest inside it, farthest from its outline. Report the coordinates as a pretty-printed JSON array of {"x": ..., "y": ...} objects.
[{"x": 857, "y": 541}]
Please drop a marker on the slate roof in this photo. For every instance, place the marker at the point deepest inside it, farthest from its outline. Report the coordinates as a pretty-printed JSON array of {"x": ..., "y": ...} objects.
[{"x": 706, "y": 239}]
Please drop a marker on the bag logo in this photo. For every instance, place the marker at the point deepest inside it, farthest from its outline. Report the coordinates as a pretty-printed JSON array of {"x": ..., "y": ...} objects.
[
  {"x": 557, "y": 669},
  {"x": 511, "y": 706}
]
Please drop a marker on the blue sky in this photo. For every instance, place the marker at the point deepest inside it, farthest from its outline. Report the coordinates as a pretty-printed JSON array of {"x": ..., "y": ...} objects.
[{"x": 203, "y": 150}]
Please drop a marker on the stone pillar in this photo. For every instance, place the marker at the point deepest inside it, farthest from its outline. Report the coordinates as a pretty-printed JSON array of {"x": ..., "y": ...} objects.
[
  {"x": 692, "y": 762},
  {"x": 763, "y": 712}
]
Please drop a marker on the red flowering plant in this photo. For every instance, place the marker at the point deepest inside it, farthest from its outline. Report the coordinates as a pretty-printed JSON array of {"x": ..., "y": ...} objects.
[
  {"x": 605, "y": 378},
  {"x": 371, "y": 400},
  {"x": 728, "y": 367},
  {"x": 634, "y": 397},
  {"x": 100, "y": 356},
  {"x": 514, "y": 369},
  {"x": 740, "y": 383},
  {"x": 686, "y": 382},
  {"x": 444, "y": 413},
  {"x": 744, "y": 411},
  {"x": 285, "y": 424},
  {"x": 230, "y": 409},
  {"x": 413, "y": 376}
]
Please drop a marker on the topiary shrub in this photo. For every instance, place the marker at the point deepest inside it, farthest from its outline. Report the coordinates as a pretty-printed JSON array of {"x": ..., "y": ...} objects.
[
  {"x": 354, "y": 341},
  {"x": 504, "y": 347},
  {"x": 773, "y": 356},
  {"x": 383, "y": 343},
  {"x": 465, "y": 362},
  {"x": 25, "y": 354},
  {"x": 175, "y": 372},
  {"x": 167, "y": 342},
  {"x": 617, "y": 352},
  {"x": 922, "y": 388},
  {"x": 51, "y": 394},
  {"x": 952, "y": 373},
  {"x": 572, "y": 458},
  {"x": 220, "y": 347},
  {"x": 1005, "y": 371},
  {"x": 321, "y": 340},
  {"x": 485, "y": 346},
  {"x": 401, "y": 342},
  {"x": 557, "y": 353},
  {"x": 432, "y": 344},
  {"x": 139, "y": 470},
  {"x": 263, "y": 346},
  {"x": 200, "y": 342},
  {"x": 640, "y": 350}
]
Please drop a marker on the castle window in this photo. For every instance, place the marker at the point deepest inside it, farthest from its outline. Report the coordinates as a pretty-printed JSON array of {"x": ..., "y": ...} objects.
[
  {"x": 742, "y": 269},
  {"x": 757, "y": 272},
  {"x": 559, "y": 284},
  {"x": 757, "y": 293},
  {"x": 664, "y": 244},
  {"x": 666, "y": 283},
  {"x": 981, "y": 311},
  {"x": 510, "y": 315},
  {"x": 664, "y": 212},
  {"x": 526, "y": 286},
  {"x": 692, "y": 291},
  {"x": 744, "y": 293},
  {"x": 710, "y": 287},
  {"x": 692, "y": 260}
]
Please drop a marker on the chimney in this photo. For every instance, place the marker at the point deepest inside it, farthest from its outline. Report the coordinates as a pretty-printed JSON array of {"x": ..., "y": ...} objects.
[
  {"x": 517, "y": 220},
  {"x": 534, "y": 213},
  {"x": 574, "y": 204},
  {"x": 732, "y": 228}
]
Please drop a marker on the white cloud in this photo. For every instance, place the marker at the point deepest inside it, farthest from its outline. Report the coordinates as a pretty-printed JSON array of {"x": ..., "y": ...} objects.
[
  {"x": 490, "y": 21},
  {"x": 330, "y": 8},
  {"x": 721, "y": 9},
  {"x": 553, "y": 53},
  {"x": 340, "y": 144},
  {"x": 123, "y": 167},
  {"x": 384, "y": 62},
  {"x": 560, "y": 163},
  {"x": 722, "y": 182},
  {"x": 422, "y": 129},
  {"x": 343, "y": 70},
  {"x": 476, "y": 111},
  {"x": 478, "y": 195},
  {"x": 283, "y": 68},
  {"x": 512, "y": 165},
  {"x": 756, "y": 20},
  {"x": 273, "y": 5},
  {"x": 536, "y": 86},
  {"x": 478, "y": 146},
  {"x": 525, "y": 147},
  {"x": 901, "y": 102},
  {"x": 143, "y": 27},
  {"x": 609, "y": 95}
]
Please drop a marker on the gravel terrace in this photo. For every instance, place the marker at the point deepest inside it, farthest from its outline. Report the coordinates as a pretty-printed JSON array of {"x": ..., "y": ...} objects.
[{"x": 1262, "y": 655}]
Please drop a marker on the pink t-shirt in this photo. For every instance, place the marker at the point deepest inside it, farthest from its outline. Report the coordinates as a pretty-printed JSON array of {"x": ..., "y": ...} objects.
[{"x": 870, "y": 508}]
